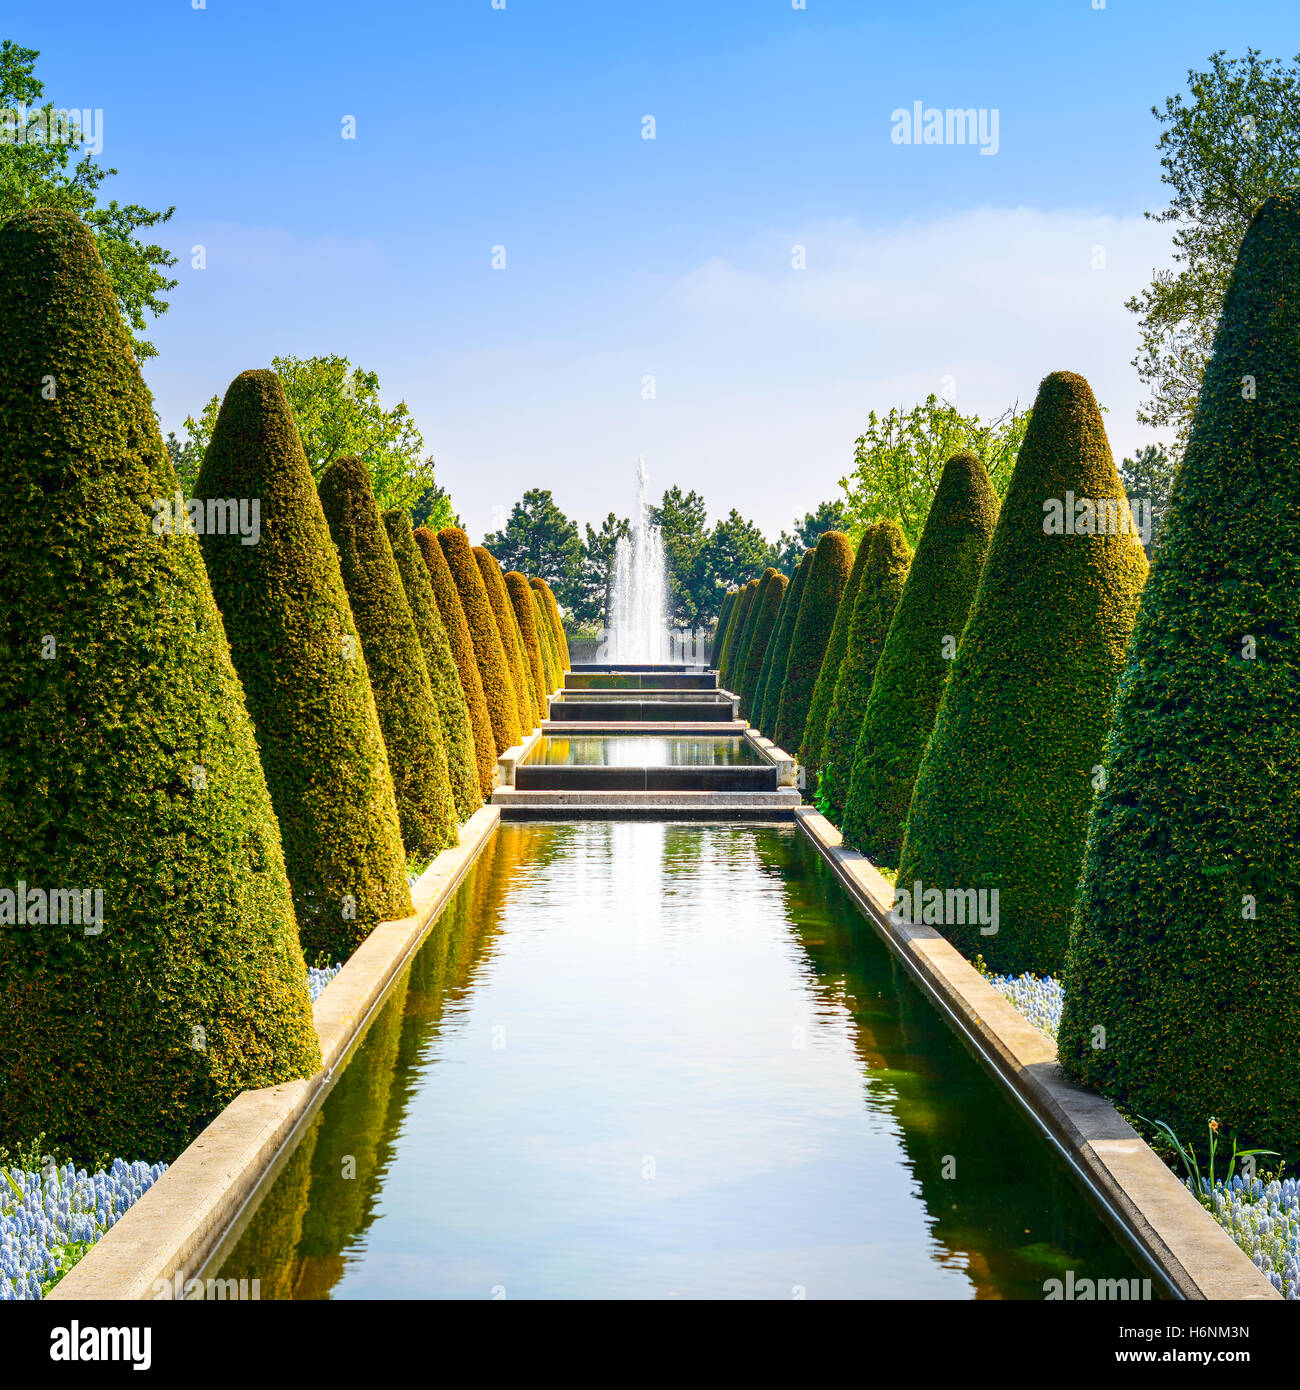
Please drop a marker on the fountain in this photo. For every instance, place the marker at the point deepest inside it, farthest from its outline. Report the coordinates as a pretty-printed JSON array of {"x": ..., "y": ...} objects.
[{"x": 638, "y": 607}]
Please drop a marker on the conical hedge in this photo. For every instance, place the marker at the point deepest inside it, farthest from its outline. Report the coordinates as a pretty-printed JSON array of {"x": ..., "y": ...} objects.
[
  {"x": 778, "y": 649},
  {"x": 1002, "y": 796},
  {"x": 390, "y": 647},
  {"x": 832, "y": 564},
  {"x": 917, "y": 657},
  {"x": 287, "y": 616},
  {"x": 448, "y": 697},
  {"x": 462, "y": 650},
  {"x": 814, "y": 732},
  {"x": 720, "y": 628},
  {"x": 740, "y": 662},
  {"x": 129, "y": 769},
  {"x": 512, "y": 642},
  {"x": 873, "y": 610},
  {"x": 766, "y": 608},
  {"x": 546, "y": 639},
  {"x": 493, "y": 667},
  {"x": 1187, "y": 929},
  {"x": 557, "y": 622},
  {"x": 525, "y": 608},
  {"x": 736, "y": 633}
]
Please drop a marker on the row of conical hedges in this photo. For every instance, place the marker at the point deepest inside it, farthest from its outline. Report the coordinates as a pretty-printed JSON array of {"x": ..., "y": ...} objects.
[{"x": 224, "y": 738}]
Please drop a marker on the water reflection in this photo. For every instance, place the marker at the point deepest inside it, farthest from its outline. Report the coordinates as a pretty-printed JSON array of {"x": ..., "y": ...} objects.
[
  {"x": 654, "y": 1060},
  {"x": 644, "y": 750}
]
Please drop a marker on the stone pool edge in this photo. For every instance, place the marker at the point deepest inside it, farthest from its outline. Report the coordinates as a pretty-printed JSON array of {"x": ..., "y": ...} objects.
[
  {"x": 182, "y": 1218},
  {"x": 1160, "y": 1216}
]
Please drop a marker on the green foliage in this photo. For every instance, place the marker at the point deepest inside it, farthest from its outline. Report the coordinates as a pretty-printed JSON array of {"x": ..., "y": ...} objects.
[
  {"x": 512, "y": 642},
  {"x": 286, "y": 613},
  {"x": 390, "y": 646},
  {"x": 1224, "y": 148},
  {"x": 1003, "y": 791},
  {"x": 589, "y": 597},
  {"x": 736, "y": 633},
  {"x": 831, "y": 566},
  {"x": 819, "y": 712},
  {"x": 888, "y": 560},
  {"x": 489, "y": 651},
  {"x": 829, "y": 516},
  {"x": 720, "y": 628},
  {"x": 1150, "y": 475},
  {"x": 1187, "y": 923},
  {"x": 772, "y": 675},
  {"x": 35, "y": 173},
  {"x": 546, "y": 640},
  {"x": 444, "y": 678},
  {"x": 338, "y": 412},
  {"x": 432, "y": 508},
  {"x": 916, "y": 658},
  {"x": 522, "y": 601},
  {"x": 745, "y": 639},
  {"x": 767, "y": 606},
  {"x": 557, "y": 623},
  {"x": 899, "y": 458},
  {"x": 456, "y": 624},
  {"x": 683, "y": 521},
  {"x": 539, "y": 539},
  {"x": 130, "y": 764}
]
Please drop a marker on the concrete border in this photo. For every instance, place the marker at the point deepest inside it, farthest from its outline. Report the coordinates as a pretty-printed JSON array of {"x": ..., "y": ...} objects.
[
  {"x": 550, "y": 803},
  {"x": 508, "y": 762},
  {"x": 643, "y": 726},
  {"x": 183, "y": 1217},
  {"x": 1142, "y": 1198}
]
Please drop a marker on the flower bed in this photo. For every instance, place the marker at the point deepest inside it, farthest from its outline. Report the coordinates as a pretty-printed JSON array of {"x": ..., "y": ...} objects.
[
  {"x": 49, "y": 1220},
  {"x": 1040, "y": 1000}
]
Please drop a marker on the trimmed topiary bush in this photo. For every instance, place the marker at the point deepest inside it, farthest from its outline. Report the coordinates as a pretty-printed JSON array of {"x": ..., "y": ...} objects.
[
  {"x": 740, "y": 657},
  {"x": 832, "y": 563},
  {"x": 557, "y": 622},
  {"x": 498, "y": 688},
  {"x": 287, "y": 616},
  {"x": 462, "y": 650},
  {"x": 130, "y": 770},
  {"x": 917, "y": 657},
  {"x": 778, "y": 649},
  {"x": 546, "y": 639},
  {"x": 390, "y": 647},
  {"x": 888, "y": 558},
  {"x": 522, "y": 600},
  {"x": 521, "y": 676},
  {"x": 720, "y": 628},
  {"x": 814, "y": 732},
  {"x": 766, "y": 607},
  {"x": 1002, "y": 795},
  {"x": 1187, "y": 926},
  {"x": 736, "y": 632},
  {"x": 448, "y": 697}
]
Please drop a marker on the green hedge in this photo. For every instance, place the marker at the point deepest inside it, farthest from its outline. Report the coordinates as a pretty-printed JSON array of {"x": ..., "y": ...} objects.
[
  {"x": 462, "y": 650},
  {"x": 766, "y": 609},
  {"x": 720, "y": 628},
  {"x": 490, "y": 652},
  {"x": 1186, "y": 940},
  {"x": 546, "y": 637},
  {"x": 1002, "y": 795},
  {"x": 390, "y": 648},
  {"x": 778, "y": 649},
  {"x": 873, "y": 610},
  {"x": 831, "y": 566},
  {"x": 740, "y": 656},
  {"x": 814, "y": 732},
  {"x": 736, "y": 632},
  {"x": 522, "y": 600},
  {"x": 521, "y": 675},
  {"x": 557, "y": 622},
  {"x": 453, "y": 712},
  {"x": 917, "y": 657},
  {"x": 129, "y": 763},
  {"x": 287, "y": 616}
]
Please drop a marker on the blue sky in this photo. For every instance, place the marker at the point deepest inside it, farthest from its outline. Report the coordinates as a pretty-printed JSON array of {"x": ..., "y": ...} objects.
[{"x": 928, "y": 268}]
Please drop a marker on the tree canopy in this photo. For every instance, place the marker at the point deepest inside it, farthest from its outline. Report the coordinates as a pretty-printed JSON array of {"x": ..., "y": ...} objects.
[{"x": 538, "y": 539}]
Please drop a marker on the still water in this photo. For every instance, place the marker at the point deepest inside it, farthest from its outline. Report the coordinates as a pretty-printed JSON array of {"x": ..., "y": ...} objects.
[
  {"x": 644, "y": 750},
  {"x": 646, "y": 1060}
]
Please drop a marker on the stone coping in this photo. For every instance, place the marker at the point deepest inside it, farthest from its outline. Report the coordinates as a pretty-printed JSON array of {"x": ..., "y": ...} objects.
[
  {"x": 181, "y": 1219},
  {"x": 508, "y": 762},
  {"x": 666, "y": 727},
  {"x": 1142, "y": 1198}
]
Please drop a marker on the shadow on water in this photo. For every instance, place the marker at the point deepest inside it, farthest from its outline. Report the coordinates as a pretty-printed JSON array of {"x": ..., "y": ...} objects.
[{"x": 704, "y": 994}]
